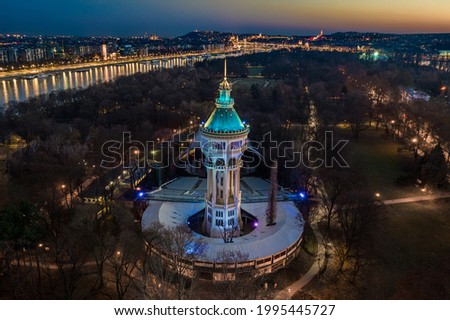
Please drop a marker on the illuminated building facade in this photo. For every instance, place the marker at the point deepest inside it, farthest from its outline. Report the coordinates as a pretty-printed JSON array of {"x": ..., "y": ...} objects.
[{"x": 223, "y": 139}]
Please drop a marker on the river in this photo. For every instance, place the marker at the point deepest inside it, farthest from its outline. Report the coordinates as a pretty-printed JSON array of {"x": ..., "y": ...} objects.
[{"x": 23, "y": 88}]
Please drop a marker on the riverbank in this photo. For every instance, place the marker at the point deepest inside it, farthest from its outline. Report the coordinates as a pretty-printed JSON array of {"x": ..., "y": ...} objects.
[
  {"x": 8, "y": 75},
  {"x": 61, "y": 68}
]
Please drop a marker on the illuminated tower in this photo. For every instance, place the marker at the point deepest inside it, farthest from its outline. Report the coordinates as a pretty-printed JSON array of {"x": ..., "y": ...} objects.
[{"x": 224, "y": 139}]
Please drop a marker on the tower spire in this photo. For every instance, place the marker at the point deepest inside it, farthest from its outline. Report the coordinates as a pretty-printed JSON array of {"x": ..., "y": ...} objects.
[
  {"x": 224, "y": 85},
  {"x": 225, "y": 70}
]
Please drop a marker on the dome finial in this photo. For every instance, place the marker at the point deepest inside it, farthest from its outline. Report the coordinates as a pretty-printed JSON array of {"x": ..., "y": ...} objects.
[{"x": 224, "y": 85}]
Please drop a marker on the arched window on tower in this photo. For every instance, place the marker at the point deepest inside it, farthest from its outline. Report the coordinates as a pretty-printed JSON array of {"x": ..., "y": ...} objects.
[
  {"x": 232, "y": 162},
  {"x": 220, "y": 162}
]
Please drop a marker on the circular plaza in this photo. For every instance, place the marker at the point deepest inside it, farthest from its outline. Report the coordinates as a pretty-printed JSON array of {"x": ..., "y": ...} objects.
[{"x": 264, "y": 249}]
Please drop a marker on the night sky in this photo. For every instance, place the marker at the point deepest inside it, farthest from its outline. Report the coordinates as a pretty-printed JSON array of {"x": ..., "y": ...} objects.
[{"x": 177, "y": 17}]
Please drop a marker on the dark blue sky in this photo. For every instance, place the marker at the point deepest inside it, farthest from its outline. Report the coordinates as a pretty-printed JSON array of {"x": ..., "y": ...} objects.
[{"x": 177, "y": 17}]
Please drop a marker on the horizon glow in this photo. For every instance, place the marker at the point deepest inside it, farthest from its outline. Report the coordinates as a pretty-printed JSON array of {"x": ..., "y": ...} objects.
[{"x": 177, "y": 17}]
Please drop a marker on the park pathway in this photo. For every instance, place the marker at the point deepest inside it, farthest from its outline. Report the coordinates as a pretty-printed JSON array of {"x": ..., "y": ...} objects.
[
  {"x": 417, "y": 199},
  {"x": 289, "y": 291}
]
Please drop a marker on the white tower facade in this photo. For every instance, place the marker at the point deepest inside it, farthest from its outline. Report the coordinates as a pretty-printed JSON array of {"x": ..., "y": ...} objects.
[{"x": 223, "y": 139}]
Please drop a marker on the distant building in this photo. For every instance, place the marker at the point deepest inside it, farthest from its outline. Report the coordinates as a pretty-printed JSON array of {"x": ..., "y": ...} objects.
[
  {"x": 51, "y": 53},
  {"x": 104, "y": 51},
  {"x": 13, "y": 55},
  {"x": 143, "y": 51},
  {"x": 409, "y": 95},
  {"x": 3, "y": 56},
  {"x": 88, "y": 50},
  {"x": 213, "y": 46},
  {"x": 127, "y": 50},
  {"x": 33, "y": 55},
  {"x": 320, "y": 36}
]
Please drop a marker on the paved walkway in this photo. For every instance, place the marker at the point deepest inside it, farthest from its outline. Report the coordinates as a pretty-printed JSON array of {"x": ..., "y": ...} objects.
[
  {"x": 416, "y": 199},
  {"x": 289, "y": 291}
]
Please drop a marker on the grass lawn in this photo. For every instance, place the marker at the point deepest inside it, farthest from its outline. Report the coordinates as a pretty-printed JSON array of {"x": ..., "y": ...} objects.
[
  {"x": 412, "y": 245},
  {"x": 255, "y": 71},
  {"x": 376, "y": 157},
  {"x": 246, "y": 83},
  {"x": 409, "y": 256},
  {"x": 411, "y": 251}
]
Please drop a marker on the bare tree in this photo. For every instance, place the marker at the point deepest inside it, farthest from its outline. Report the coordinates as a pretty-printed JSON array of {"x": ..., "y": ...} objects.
[
  {"x": 184, "y": 248},
  {"x": 332, "y": 185},
  {"x": 122, "y": 264},
  {"x": 357, "y": 212},
  {"x": 166, "y": 270},
  {"x": 151, "y": 282},
  {"x": 357, "y": 107},
  {"x": 237, "y": 283}
]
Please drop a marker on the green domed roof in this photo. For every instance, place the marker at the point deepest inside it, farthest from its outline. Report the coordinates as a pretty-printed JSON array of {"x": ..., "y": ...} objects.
[{"x": 224, "y": 120}]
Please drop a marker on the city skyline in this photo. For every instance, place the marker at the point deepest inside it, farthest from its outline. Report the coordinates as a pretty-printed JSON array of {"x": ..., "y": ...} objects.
[{"x": 175, "y": 17}]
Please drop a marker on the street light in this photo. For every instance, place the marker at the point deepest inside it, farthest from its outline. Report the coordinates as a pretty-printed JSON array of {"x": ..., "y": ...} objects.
[
  {"x": 424, "y": 189},
  {"x": 393, "y": 128},
  {"x": 414, "y": 141}
]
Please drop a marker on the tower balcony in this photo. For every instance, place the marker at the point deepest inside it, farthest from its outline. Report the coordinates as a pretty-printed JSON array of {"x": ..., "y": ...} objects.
[
  {"x": 217, "y": 165},
  {"x": 220, "y": 204},
  {"x": 224, "y": 101}
]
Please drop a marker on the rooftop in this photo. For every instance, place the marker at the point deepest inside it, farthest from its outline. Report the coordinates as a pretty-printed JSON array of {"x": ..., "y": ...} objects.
[
  {"x": 192, "y": 189},
  {"x": 262, "y": 242},
  {"x": 224, "y": 120}
]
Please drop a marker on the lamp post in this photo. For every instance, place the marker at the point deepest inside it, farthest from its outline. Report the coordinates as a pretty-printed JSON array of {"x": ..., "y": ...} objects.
[
  {"x": 393, "y": 128},
  {"x": 414, "y": 143},
  {"x": 424, "y": 190},
  {"x": 444, "y": 92}
]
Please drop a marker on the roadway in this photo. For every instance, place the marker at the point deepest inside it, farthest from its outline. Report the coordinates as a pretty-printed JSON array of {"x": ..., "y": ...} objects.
[{"x": 5, "y": 75}]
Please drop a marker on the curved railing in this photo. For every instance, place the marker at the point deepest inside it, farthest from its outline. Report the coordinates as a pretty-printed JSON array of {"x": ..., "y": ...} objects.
[{"x": 263, "y": 265}]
